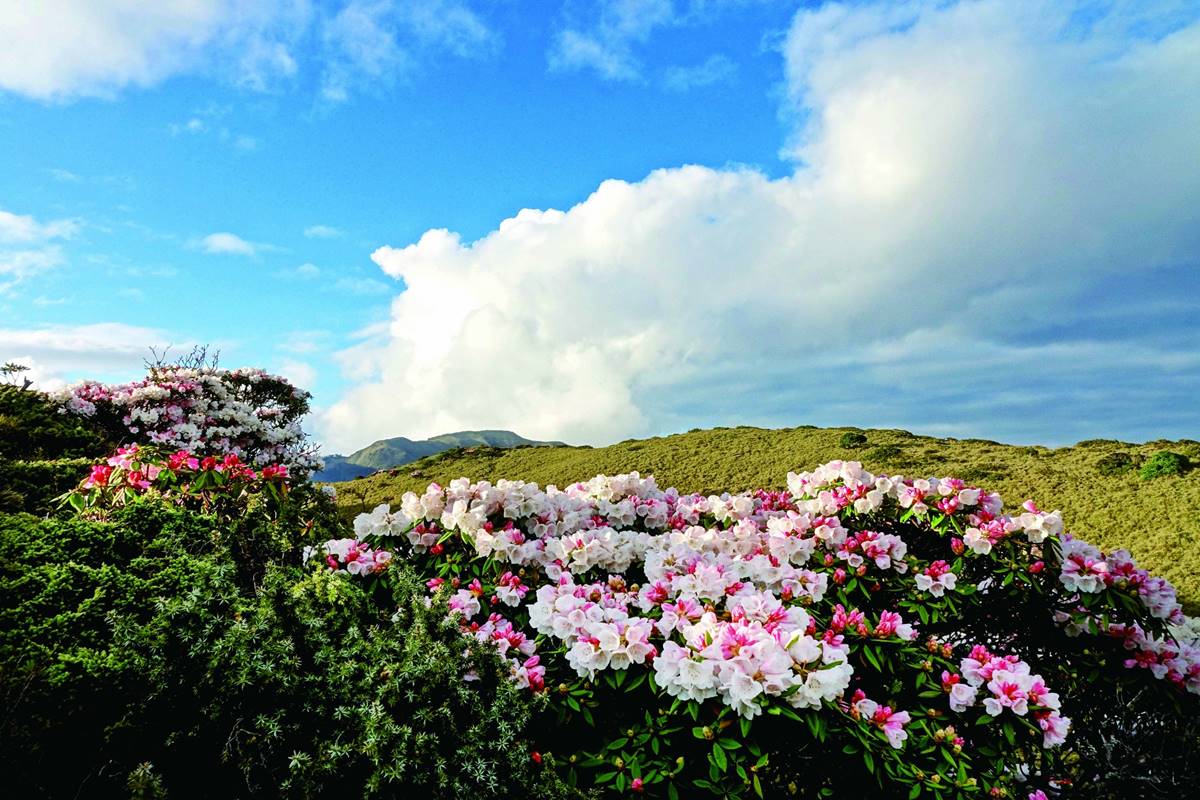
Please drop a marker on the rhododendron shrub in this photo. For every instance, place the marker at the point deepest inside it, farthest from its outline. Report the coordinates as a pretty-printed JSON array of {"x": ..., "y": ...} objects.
[
  {"x": 853, "y": 635},
  {"x": 209, "y": 483},
  {"x": 206, "y": 410}
]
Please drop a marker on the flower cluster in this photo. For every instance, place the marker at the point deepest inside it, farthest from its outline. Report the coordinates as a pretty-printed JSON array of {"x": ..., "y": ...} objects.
[
  {"x": 355, "y": 557},
  {"x": 246, "y": 412},
  {"x": 781, "y": 603},
  {"x": 1009, "y": 684},
  {"x": 179, "y": 476}
]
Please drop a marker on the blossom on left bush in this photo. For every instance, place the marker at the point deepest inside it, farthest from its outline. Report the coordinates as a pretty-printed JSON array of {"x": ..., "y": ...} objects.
[{"x": 179, "y": 477}]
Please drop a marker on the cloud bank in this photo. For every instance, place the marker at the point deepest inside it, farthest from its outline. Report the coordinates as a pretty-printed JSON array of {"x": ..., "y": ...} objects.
[
  {"x": 992, "y": 229},
  {"x": 57, "y": 354}
]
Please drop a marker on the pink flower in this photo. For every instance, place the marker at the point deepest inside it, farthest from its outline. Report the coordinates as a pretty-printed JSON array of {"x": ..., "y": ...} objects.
[
  {"x": 883, "y": 717},
  {"x": 99, "y": 476}
]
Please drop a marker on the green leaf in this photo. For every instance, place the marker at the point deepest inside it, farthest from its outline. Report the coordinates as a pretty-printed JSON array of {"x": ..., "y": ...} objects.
[{"x": 719, "y": 758}]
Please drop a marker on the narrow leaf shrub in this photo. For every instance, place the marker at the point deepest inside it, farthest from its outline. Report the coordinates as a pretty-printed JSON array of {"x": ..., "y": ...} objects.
[
  {"x": 1163, "y": 463},
  {"x": 164, "y": 652},
  {"x": 852, "y": 439}
]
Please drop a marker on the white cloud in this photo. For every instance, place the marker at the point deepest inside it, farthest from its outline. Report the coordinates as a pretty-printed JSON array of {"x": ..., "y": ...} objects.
[
  {"x": 32, "y": 246},
  {"x": 715, "y": 69},
  {"x": 968, "y": 240},
  {"x": 321, "y": 232},
  {"x": 574, "y": 50},
  {"x": 64, "y": 176},
  {"x": 193, "y": 126},
  {"x": 605, "y": 35},
  {"x": 370, "y": 41},
  {"x": 307, "y": 270},
  {"x": 225, "y": 243},
  {"x": 300, "y": 373},
  {"x": 61, "y": 49},
  {"x": 363, "y": 286},
  {"x": 62, "y": 353},
  {"x": 58, "y": 50},
  {"x": 20, "y": 229}
]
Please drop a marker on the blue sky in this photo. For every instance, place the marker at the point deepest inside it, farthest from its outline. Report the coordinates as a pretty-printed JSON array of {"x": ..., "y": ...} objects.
[{"x": 958, "y": 218}]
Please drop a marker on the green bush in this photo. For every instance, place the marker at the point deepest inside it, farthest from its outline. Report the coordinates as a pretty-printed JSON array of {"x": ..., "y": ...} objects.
[
  {"x": 852, "y": 439},
  {"x": 38, "y": 483},
  {"x": 1164, "y": 462},
  {"x": 169, "y": 653},
  {"x": 1115, "y": 464},
  {"x": 32, "y": 428}
]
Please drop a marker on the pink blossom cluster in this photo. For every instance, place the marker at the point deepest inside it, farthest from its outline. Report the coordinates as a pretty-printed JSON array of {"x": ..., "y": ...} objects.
[
  {"x": 1087, "y": 570},
  {"x": 137, "y": 470},
  {"x": 728, "y": 578},
  {"x": 883, "y": 717},
  {"x": 936, "y": 578},
  {"x": 1006, "y": 682},
  {"x": 1174, "y": 658},
  {"x": 517, "y": 649},
  {"x": 355, "y": 557},
  {"x": 204, "y": 410}
]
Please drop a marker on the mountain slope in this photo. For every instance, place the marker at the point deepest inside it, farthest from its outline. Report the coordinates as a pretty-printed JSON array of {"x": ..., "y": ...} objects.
[
  {"x": 400, "y": 450},
  {"x": 1099, "y": 492}
]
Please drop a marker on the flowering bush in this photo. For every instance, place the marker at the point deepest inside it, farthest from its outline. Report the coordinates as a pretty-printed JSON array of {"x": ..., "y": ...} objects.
[
  {"x": 206, "y": 483},
  {"x": 856, "y": 634},
  {"x": 247, "y": 412}
]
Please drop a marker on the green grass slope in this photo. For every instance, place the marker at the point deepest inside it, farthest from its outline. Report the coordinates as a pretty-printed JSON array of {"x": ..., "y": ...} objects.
[{"x": 1096, "y": 484}]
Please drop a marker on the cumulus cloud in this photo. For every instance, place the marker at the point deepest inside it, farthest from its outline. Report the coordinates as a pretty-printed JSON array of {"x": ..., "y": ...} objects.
[
  {"x": 990, "y": 229},
  {"x": 225, "y": 243},
  {"x": 29, "y": 247},
  {"x": 59, "y": 354},
  {"x": 300, "y": 373}
]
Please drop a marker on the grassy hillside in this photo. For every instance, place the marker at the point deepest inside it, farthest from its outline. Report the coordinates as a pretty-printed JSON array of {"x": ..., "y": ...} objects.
[
  {"x": 387, "y": 453},
  {"x": 1096, "y": 484}
]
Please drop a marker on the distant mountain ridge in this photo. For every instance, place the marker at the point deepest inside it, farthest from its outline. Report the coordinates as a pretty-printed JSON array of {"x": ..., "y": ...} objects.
[{"x": 400, "y": 450}]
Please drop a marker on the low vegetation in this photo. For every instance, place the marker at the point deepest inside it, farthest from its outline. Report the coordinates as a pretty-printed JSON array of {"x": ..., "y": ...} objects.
[
  {"x": 1154, "y": 518},
  {"x": 198, "y": 619}
]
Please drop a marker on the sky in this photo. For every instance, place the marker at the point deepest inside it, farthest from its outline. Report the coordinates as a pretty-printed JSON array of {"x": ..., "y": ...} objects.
[{"x": 591, "y": 221}]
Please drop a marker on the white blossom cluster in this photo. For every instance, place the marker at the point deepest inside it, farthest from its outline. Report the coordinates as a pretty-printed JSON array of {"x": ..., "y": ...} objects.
[{"x": 247, "y": 412}]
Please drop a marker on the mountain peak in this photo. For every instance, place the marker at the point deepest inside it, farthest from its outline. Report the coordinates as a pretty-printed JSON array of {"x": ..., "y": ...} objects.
[{"x": 399, "y": 450}]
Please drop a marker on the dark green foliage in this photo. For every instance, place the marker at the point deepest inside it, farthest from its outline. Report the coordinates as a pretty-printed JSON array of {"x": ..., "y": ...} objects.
[
  {"x": 983, "y": 474},
  {"x": 1162, "y": 463},
  {"x": 38, "y": 483},
  {"x": 64, "y": 586},
  {"x": 32, "y": 428},
  {"x": 1117, "y": 463},
  {"x": 885, "y": 454},
  {"x": 166, "y": 653},
  {"x": 852, "y": 439}
]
